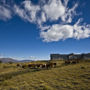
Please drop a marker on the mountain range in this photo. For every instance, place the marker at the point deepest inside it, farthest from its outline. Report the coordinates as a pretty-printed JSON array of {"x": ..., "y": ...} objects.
[{"x": 6, "y": 60}]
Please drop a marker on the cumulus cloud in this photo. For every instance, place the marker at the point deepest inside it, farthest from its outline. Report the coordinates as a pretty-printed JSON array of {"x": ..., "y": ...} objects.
[
  {"x": 54, "y": 9},
  {"x": 57, "y": 32},
  {"x": 61, "y": 32},
  {"x": 46, "y": 12}
]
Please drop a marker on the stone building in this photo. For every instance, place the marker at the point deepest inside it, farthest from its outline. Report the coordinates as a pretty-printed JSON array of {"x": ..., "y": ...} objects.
[{"x": 69, "y": 56}]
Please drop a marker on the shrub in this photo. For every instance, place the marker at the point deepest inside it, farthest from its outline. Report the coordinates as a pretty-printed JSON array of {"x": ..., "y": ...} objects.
[
  {"x": 0, "y": 61},
  {"x": 10, "y": 62},
  {"x": 82, "y": 67}
]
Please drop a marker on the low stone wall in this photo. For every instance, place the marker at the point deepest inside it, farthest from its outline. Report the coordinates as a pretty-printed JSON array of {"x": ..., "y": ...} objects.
[{"x": 69, "y": 56}]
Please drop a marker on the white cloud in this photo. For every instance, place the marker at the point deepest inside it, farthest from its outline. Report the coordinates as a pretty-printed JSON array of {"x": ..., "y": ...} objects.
[
  {"x": 51, "y": 10},
  {"x": 43, "y": 17},
  {"x": 28, "y": 12},
  {"x": 41, "y": 20},
  {"x": 31, "y": 10},
  {"x": 20, "y": 12},
  {"x": 81, "y": 31},
  {"x": 69, "y": 14},
  {"x": 57, "y": 32},
  {"x": 66, "y": 3},
  {"x": 54, "y": 9},
  {"x": 44, "y": 27},
  {"x": 61, "y": 32},
  {"x": 5, "y": 13}
]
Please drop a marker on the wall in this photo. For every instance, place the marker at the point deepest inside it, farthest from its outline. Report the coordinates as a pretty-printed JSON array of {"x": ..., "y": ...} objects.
[{"x": 69, "y": 56}]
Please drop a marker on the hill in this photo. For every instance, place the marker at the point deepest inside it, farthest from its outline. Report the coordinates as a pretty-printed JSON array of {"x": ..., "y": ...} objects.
[
  {"x": 25, "y": 60},
  {"x": 6, "y": 60},
  {"x": 63, "y": 77}
]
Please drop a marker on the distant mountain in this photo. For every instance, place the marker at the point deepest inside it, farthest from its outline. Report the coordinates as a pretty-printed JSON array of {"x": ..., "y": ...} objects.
[
  {"x": 25, "y": 61},
  {"x": 5, "y": 60}
]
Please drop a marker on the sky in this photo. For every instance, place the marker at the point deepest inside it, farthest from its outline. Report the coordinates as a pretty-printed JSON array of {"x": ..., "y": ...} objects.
[{"x": 34, "y": 29}]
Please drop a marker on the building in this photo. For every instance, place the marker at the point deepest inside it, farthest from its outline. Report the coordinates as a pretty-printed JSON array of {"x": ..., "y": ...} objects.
[{"x": 69, "y": 56}]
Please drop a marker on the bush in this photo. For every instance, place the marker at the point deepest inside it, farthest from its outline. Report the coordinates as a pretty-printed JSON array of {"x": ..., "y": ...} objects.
[
  {"x": 0, "y": 61},
  {"x": 10, "y": 62},
  {"x": 82, "y": 67}
]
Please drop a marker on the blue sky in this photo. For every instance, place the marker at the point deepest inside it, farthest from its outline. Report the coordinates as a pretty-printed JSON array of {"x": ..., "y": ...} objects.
[{"x": 35, "y": 29}]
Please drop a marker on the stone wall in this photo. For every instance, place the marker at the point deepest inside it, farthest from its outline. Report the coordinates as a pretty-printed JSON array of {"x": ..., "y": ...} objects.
[
  {"x": 69, "y": 56},
  {"x": 58, "y": 56}
]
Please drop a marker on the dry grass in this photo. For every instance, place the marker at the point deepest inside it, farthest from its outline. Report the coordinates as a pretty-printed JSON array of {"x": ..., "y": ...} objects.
[{"x": 63, "y": 77}]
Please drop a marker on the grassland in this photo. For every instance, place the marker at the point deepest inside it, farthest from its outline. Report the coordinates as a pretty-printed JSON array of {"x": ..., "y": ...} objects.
[{"x": 63, "y": 77}]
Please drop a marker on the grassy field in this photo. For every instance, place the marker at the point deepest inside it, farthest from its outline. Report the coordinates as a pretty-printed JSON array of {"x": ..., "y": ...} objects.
[{"x": 63, "y": 77}]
